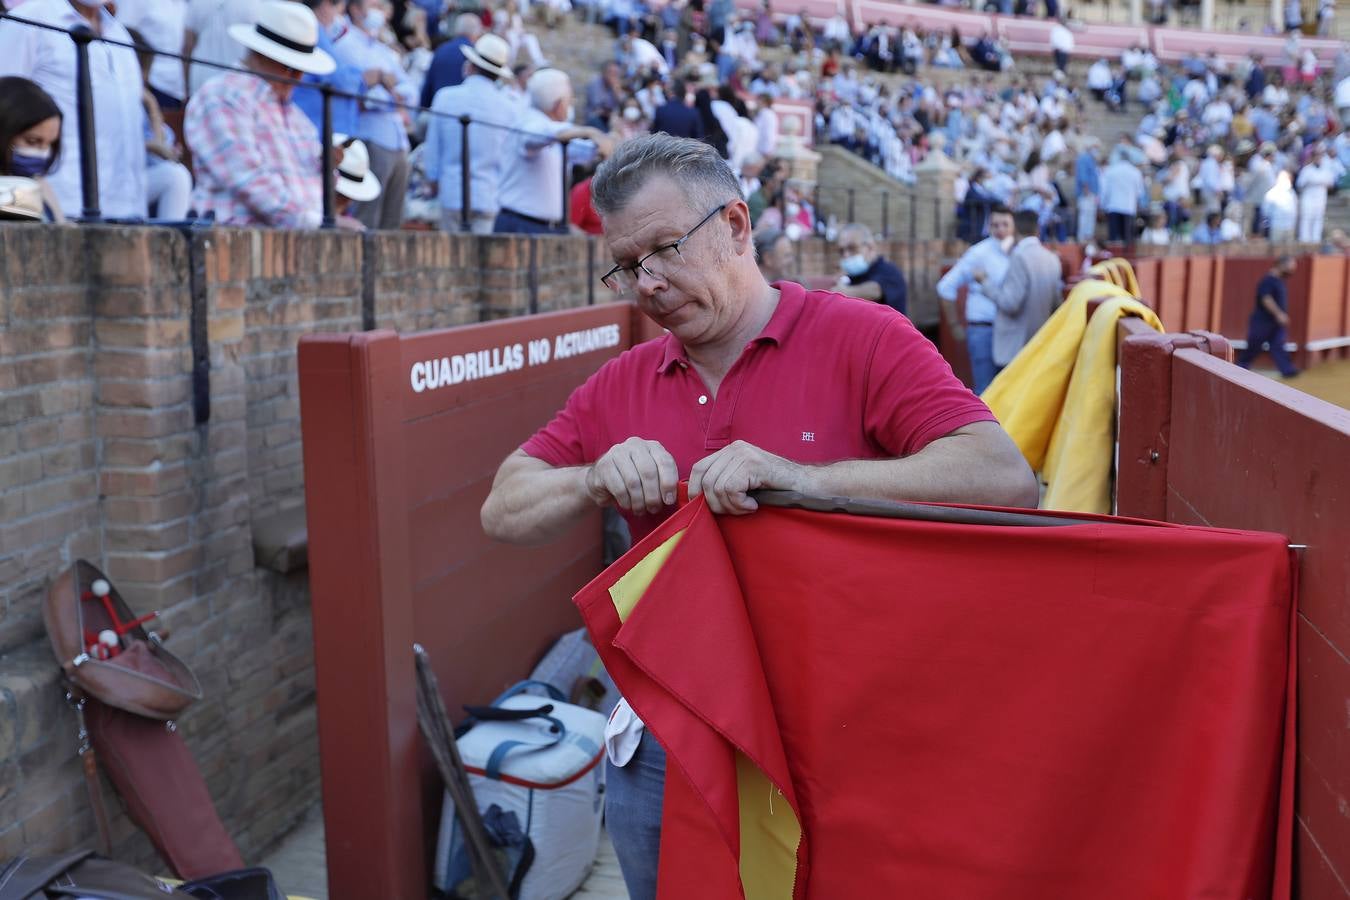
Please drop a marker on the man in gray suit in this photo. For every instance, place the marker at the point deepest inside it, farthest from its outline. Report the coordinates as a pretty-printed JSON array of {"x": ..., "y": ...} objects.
[{"x": 1029, "y": 292}]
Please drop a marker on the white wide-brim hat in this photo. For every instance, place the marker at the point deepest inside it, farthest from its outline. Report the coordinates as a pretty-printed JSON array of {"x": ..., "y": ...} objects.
[
  {"x": 354, "y": 178},
  {"x": 288, "y": 33},
  {"x": 491, "y": 54}
]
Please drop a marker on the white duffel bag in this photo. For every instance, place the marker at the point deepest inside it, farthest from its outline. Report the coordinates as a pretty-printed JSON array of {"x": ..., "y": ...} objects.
[{"x": 537, "y": 759}]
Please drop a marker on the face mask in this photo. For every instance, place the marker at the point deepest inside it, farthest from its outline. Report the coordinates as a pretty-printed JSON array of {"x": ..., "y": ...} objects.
[
  {"x": 1007, "y": 243},
  {"x": 571, "y": 113},
  {"x": 854, "y": 265},
  {"x": 793, "y": 209},
  {"x": 375, "y": 20},
  {"x": 632, "y": 114},
  {"x": 28, "y": 163}
]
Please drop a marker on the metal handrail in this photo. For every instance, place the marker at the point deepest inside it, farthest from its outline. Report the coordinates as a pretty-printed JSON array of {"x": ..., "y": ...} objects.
[{"x": 81, "y": 35}]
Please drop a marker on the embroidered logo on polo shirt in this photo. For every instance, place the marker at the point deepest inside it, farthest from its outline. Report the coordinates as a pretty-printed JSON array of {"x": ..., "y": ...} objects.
[{"x": 808, "y": 436}]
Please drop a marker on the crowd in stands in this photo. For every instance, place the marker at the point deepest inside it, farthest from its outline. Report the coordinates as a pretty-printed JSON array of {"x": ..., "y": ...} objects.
[{"x": 1206, "y": 152}]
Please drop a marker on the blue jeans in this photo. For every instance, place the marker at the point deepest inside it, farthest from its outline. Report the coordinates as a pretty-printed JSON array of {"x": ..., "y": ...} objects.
[
  {"x": 509, "y": 222},
  {"x": 980, "y": 346},
  {"x": 633, "y": 801}
]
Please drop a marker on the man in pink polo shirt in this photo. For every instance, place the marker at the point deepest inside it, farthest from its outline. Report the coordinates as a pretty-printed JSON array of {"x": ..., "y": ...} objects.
[{"x": 755, "y": 386}]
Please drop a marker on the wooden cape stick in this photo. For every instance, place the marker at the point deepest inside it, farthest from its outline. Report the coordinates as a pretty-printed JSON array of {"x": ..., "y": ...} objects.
[
  {"x": 895, "y": 509},
  {"x": 440, "y": 735}
]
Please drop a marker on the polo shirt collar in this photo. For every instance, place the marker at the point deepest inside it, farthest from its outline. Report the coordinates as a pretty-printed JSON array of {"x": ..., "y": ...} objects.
[{"x": 791, "y": 300}]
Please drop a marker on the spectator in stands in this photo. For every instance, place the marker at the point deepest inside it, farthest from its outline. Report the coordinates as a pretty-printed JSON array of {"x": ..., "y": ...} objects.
[
  {"x": 480, "y": 97},
  {"x": 1255, "y": 84},
  {"x": 1260, "y": 179},
  {"x": 771, "y": 179},
  {"x": 1280, "y": 209},
  {"x": 1156, "y": 233},
  {"x": 206, "y": 37},
  {"x": 677, "y": 115},
  {"x": 1122, "y": 190},
  {"x": 256, "y": 155},
  {"x": 447, "y": 66},
  {"x": 1088, "y": 188},
  {"x": 1209, "y": 231},
  {"x": 355, "y": 183},
  {"x": 531, "y": 186},
  {"x": 581, "y": 211},
  {"x": 161, "y": 24},
  {"x": 604, "y": 93},
  {"x": 345, "y": 79},
  {"x": 989, "y": 257},
  {"x": 1314, "y": 180},
  {"x": 1061, "y": 44},
  {"x": 30, "y": 138},
  {"x": 168, "y": 183},
  {"x": 1269, "y": 323},
  {"x": 867, "y": 274},
  {"x": 380, "y": 125},
  {"x": 1030, "y": 290},
  {"x": 48, "y": 59},
  {"x": 773, "y": 251},
  {"x": 1099, "y": 78},
  {"x": 1230, "y": 229}
]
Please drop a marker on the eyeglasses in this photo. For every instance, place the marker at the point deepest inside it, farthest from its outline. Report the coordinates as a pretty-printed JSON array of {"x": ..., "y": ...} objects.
[{"x": 659, "y": 264}]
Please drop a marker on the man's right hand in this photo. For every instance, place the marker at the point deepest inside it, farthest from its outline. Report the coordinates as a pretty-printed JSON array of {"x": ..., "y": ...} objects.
[{"x": 639, "y": 476}]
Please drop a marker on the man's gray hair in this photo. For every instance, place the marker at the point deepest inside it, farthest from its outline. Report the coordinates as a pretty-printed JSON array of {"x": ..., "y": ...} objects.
[
  {"x": 858, "y": 229},
  {"x": 547, "y": 87},
  {"x": 704, "y": 176},
  {"x": 468, "y": 25}
]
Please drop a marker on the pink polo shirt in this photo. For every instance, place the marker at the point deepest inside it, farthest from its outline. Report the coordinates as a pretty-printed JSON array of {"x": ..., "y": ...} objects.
[{"x": 829, "y": 378}]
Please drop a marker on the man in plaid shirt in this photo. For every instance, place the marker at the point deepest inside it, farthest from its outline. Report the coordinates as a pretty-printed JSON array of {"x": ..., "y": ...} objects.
[{"x": 257, "y": 156}]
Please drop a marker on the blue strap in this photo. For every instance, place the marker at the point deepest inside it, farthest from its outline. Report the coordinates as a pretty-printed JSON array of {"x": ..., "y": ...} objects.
[
  {"x": 521, "y": 687},
  {"x": 493, "y": 769}
]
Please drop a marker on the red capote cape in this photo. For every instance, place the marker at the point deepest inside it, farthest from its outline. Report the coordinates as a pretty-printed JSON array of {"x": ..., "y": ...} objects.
[{"x": 864, "y": 707}]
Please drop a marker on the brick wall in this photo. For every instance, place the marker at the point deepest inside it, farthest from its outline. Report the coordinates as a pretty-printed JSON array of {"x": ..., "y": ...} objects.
[
  {"x": 108, "y": 453},
  {"x": 102, "y": 456}
]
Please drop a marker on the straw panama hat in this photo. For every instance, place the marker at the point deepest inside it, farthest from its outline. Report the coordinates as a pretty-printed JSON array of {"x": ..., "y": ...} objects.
[
  {"x": 288, "y": 33},
  {"x": 492, "y": 54},
  {"x": 355, "y": 180}
]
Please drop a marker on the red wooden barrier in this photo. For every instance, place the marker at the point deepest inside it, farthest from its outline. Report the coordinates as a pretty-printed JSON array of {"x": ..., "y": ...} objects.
[
  {"x": 402, "y": 436},
  {"x": 1243, "y": 451}
]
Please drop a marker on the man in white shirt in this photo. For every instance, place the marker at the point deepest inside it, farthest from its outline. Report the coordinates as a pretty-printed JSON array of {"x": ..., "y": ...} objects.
[
  {"x": 531, "y": 194},
  {"x": 1342, "y": 100},
  {"x": 161, "y": 23},
  {"x": 766, "y": 122},
  {"x": 380, "y": 125},
  {"x": 1061, "y": 43},
  {"x": 1122, "y": 188},
  {"x": 1316, "y": 177},
  {"x": 1280, "y": 209},
  {"x": 48, "y": 59},
  {"x": 1099, "y": 78},
  {"x": 206, "y": 36}
]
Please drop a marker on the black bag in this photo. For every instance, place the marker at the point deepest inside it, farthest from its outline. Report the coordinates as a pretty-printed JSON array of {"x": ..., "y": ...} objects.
[
  {"x": 82, "y": 873},
  {"x": 242, "y": 884},
  {"x": 78, "y": 874}
]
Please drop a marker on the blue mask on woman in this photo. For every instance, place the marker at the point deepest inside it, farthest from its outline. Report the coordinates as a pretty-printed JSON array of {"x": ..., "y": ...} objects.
[{"x": 29, "y": 163}]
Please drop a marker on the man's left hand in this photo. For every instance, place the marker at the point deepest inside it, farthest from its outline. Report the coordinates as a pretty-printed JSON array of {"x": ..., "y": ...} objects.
[{"x": 726, "y": 478}]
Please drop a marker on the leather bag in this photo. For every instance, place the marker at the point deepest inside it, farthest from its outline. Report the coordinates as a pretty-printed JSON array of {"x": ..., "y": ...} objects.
[{"x": 143, "y": 678}]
